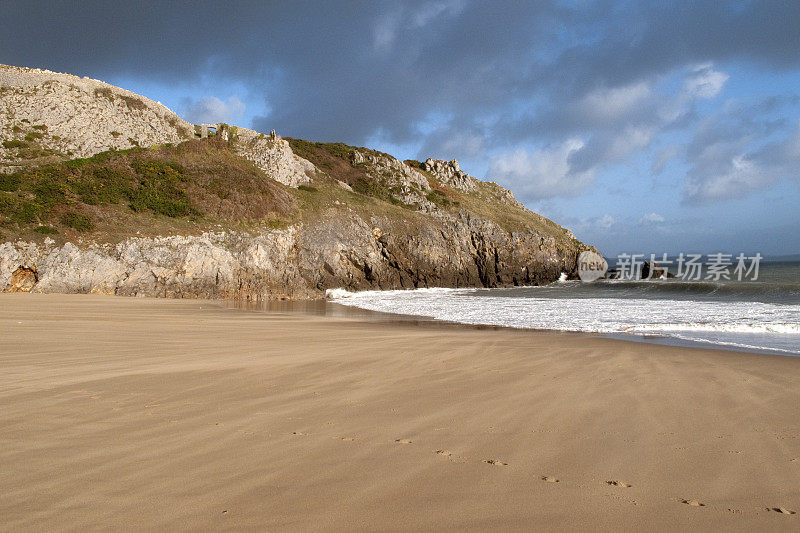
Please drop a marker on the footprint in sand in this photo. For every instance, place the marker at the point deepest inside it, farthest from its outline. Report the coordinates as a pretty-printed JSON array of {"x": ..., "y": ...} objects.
[
  {"x": 782, "y": 510},
  {"x": 618, "y": 483},
  {"x": 403, "y": 441},
  {"x": 445, "y": 453},
  {"x": 300, "y": 433},
  {"x": 346, "y": 439},
  {"x": 495, "y": 462},
  {"x": 693, "y": 503},
  {"x": 551, "y": 479}
]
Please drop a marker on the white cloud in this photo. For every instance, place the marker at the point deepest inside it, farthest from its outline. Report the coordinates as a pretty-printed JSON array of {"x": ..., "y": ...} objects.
[
  {"x": 212, "y": 110},
  {"x": 606, "y": 222},
  {"x": 390, "y": 24},
  {"x": 663, "y": 157},
  {"x": 789, "y": 150},
  {"x": 729, "y": 177},
  {"x": 541, "y": 173},
  {"x": 447, "y": 141},
  {"x": 430, "y": 11},
  {"x": 593, "y": 225},
  {"x": 607, "y": 105},
  {"x": 628, "y": 118},
  {"x": 651, "y": 218},
  {"x": 723, "y": 167},
  {"x": 385, "y": 30},
  {"x": 628, "y": 141},
  {"x": 625, "y": 120},
  {"x": 704, "y": 82},
  {"x": 463, "y": 143}
]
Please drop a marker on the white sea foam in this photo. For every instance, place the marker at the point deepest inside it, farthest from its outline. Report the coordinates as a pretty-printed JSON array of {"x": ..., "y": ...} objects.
[
  {"x": 743, "y": 327},
  {"x": 334, "y": 294},
  {"x": 744, "y": 324}
]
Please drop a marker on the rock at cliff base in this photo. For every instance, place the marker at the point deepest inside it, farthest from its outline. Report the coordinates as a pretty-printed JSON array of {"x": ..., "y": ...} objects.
[{"x": 22, "y": 280}]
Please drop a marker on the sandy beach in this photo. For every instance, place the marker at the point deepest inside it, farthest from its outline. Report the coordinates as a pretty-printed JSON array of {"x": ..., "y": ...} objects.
[{"x": 139, "y": 414}]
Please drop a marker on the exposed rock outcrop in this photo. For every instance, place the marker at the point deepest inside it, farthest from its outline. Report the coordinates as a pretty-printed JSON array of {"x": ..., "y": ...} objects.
[
  {"x": 299, "y": 262},
  {"x": 48, "y": 115},
  {"x": 449, "y": 173},
  {"x": 274, "y": 156},
  {"x": 22, "y": 279},
  {"x": 404, "y": 182},
  {"x": 78, "y": 117}
]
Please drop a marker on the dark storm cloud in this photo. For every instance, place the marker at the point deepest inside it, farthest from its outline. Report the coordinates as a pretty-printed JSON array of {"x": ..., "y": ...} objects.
[
  {"x": 337, "y": 77},
  {"x": 344, "y": 70},
  {"x": 646, "y": 38}
]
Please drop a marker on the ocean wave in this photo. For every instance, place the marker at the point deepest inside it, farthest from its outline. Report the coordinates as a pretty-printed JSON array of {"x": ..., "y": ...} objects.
[
  {"x": 788, "y": 292},
  {"x": 779, "y": 328},
  {"x": 756, "y": 324},
  {"x": 333, "y": 294}
]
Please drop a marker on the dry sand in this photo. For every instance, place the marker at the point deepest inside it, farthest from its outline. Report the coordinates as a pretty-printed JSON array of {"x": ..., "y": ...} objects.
[{"x": 170, "y": 415}]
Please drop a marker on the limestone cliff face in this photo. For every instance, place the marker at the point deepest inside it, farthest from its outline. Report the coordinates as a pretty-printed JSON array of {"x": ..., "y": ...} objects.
[
  {"x": 274, "y": 156},
  {"x": 48, "y": 116},
  {"x": 406, "y": 183},
  {"x": 370, "y": 220},
  {"x": 299, "y": 262},
  {"x": 78, "y": 117},
  {"x": 450, "y": 174}
]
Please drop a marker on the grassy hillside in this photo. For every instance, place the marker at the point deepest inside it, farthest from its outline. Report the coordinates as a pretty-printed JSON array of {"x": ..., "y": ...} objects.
[
  {"x": 164, "y": 189},
  {"x": 487, "y": 201},
  {"x": 201, "y": 184}
]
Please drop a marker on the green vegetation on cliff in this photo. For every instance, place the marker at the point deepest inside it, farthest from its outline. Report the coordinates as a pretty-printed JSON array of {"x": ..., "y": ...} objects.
[
  {"x": 202, "y": 184},
  {"x": 159, "y": 190}
]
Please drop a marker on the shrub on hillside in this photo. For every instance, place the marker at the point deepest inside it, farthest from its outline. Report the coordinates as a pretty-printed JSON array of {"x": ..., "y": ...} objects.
[
  {"x": 77, "y": 221},
  {"x": 14, "y": 143}
]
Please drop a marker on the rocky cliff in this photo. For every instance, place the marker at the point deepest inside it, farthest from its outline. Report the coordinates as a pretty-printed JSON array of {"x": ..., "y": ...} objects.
[
  {"x": 48, "y": 116},
  {"x": 102, "y": 190}
]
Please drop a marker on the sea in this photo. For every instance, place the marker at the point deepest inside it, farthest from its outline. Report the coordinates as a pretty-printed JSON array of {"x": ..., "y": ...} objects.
[{"x": 761, "y": 315}]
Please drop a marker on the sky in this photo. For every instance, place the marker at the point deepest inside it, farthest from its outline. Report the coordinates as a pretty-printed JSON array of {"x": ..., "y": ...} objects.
[{"x": 643, "y": 127}]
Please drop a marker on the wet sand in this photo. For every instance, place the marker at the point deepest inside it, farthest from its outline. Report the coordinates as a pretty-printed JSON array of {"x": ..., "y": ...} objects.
[{"x": 139, "y": 414}]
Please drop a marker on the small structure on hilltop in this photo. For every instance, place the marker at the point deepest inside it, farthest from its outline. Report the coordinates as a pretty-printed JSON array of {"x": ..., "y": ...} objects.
[{"x": 207, "y": 130}]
